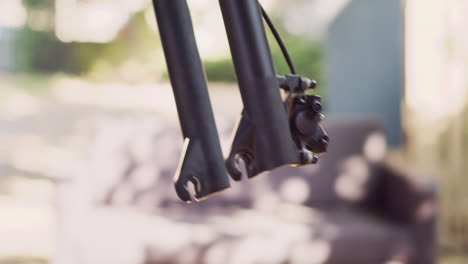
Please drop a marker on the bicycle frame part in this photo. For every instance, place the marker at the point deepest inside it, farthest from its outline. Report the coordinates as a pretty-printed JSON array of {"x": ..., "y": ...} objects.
[
  {"x": 202, "y": 160},
  {"x": 263, "y": 139}
]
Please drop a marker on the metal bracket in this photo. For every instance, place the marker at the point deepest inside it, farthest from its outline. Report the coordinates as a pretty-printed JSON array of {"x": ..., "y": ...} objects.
[{"x": 304, "y": 113}]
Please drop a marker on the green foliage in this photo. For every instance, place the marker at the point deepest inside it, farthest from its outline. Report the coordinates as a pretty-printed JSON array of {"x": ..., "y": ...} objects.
[
  {"x": 37, "y": 51},
  {"x": 306, "y": 55},
  {"x": 39, "y": 3},
  {"x": 42, "y": 52},
  {"x": 220, "y": 70},
  {"x": 135, "y": 41},
  {"x": 82, "y": 56}
]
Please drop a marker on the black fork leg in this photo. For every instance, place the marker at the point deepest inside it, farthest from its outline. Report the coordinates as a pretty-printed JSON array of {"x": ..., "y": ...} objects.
[
  {"x": 263, "y": 137},
  {"x": 202, "y": 161}
]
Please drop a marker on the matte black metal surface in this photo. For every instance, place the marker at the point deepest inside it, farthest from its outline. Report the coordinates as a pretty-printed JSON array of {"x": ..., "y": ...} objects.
[
  {"x": 263, "y": 138},
  {"x": 202, "y": 162}
]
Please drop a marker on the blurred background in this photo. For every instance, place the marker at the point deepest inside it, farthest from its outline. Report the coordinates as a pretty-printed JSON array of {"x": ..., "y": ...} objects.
[{"x": 78, "y": 76}]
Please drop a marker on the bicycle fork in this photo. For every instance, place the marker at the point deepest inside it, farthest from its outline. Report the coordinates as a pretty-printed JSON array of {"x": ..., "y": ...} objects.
[{"x": 272, "y": 132}]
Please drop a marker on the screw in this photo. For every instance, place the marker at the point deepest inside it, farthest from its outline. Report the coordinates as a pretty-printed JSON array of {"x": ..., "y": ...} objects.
[
  {"x": 312, "y": 84},
  {"x": 302, "y": 99},
  {"x": 315, "y": 159},
  {"x": 308, "y": 157}
]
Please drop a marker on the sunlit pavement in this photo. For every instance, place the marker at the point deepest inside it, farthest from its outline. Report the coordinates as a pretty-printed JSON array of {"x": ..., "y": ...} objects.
[
  {"x": 45, "y": 136},
  {"x": 27, "y": 228}
]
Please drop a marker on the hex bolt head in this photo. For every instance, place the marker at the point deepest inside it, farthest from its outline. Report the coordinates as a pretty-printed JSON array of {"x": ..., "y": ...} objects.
[
  {"x": 315, "y": 159},
  {"x": 302, "y": 99}
]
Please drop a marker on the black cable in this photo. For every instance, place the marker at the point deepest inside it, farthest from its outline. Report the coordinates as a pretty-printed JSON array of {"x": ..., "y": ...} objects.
[{"x": 277, "y": 36}]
